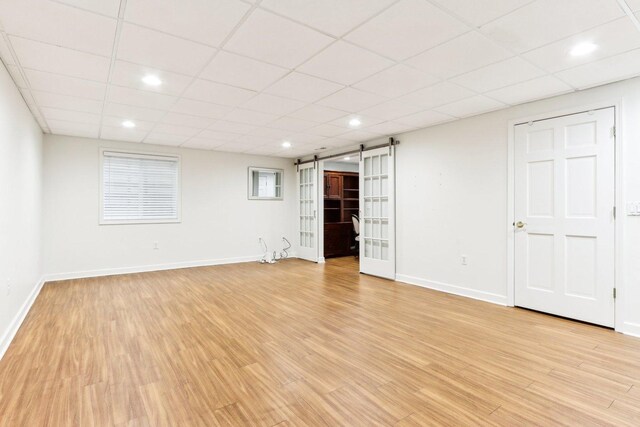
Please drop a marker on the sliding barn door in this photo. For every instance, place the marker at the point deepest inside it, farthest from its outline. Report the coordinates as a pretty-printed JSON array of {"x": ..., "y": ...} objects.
[
  {"x": 377, "y": 213},
  {"x": 564, "y": 213},
  {"x": 307, "y": 212}
]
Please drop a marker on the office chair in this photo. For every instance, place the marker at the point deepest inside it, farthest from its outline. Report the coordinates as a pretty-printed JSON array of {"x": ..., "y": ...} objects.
[{"x": 356, "y": 230}]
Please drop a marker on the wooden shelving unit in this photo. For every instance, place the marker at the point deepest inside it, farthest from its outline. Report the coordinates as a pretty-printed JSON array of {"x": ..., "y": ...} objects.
[{"x": 341, "y": 200}]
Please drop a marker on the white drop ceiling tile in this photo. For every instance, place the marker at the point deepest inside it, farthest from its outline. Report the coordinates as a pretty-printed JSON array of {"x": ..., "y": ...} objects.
[
  {"x": 237, "y": 70},
  {"x": 424, "y": 119},
  {"x": 612, "y": 38},
  {"x": 116, "y": 122},
  {"x": 59, "y": 25},
  {"x": 232, "y": 127},
  {"x": 466, "y": 53},
  {"x": 187, "y": 120},
  {"x": 265, "y": 132},
  {"x": 634, "y": 5},
  {"x": 204, "y": 90},
  {"x": 607, "y": 70},
  {"x": 501, "y": 74},
  {"x": 406, "y": 29},
  {"x": 131, "y": 75},
  {"x": 65, "y": 85},
  {"x": 265, "y": 150},
  {"x": 335, "y": 17},
  {"x": 436, "y": 95},
  {"x": 392, "y": 110},
  {"x": 478, "y": 12},
  {"x": 389, "y": 128},
  {"x": 292, "y": 124},
  {"x": 250, "y": 141},
  {"x": 328, "y": 130},
  {"x": 129, "y": 112},
  {"x": 542, "y": 87},
  {"x": 64, "y": 102},
  {"x": 276, "y": 40},
  {"x": 61, "y": 127},
  {"x": 139, "y": 98},
  {"x": 28, "y": 98},
  {"x": 202, "y": 144},
  {"x": 360, "y": 136},
  {"x": 318, "y": 113},
  {"x": 218, "y": 136},
  {"x": 303, "y": 87},
  {"x": 396, "y": 81},
  {"x": 351, "y": 100},
  {"x": 165, "y": 139},
  {"x": 122, "y": 134},
  {"x": 273, "y": 104},
  {"x": 103, "y": 7},
  {"x": 234, "y": 147},
  {"x": 59, "y": 60},
  {"x": 14, "y": 71},
  {"x": 345, "y": 63},
  {"x": 162, "y": 51},
  {"x": 250, "y": 117},
  {"x": 70, "y": 116},
  {"x": 305, "y": 138},
  {"x": 176, "y": 130},
  {"x": 545, "y": 21},
  {"x": 204, "y": 21},
  {"x": 471, "y": 106},
  {"x": 5, "y": 52},
  {"x": 201, "y": 109}
]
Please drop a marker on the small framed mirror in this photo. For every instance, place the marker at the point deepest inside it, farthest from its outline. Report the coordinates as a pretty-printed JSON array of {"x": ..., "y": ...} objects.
[{"x": 265, "y": 183}]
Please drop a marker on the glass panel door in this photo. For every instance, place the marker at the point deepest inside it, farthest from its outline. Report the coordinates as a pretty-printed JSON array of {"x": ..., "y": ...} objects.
[
  {"x": 377, "y": 238},
  {"x": 307, "y": 218}
]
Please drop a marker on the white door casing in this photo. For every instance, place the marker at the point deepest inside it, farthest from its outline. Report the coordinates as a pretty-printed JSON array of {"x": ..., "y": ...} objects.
[
  {"x": 307, "y": 183},
  {"x": 377, "y": 213},
  {"x": 564, "y": 216}
]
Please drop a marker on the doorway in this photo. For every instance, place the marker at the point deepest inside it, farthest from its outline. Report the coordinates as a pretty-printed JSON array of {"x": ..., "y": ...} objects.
[
  {"x": 341, "y": 207},
  {"x": 564, "y": 227}
]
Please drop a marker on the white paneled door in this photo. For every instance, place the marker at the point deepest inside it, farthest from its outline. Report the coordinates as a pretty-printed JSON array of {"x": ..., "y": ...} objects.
[
  {"x": 307, "y": 212},
  {"x": 564, "y": 216},
  {"x": 377, "y": 213}
]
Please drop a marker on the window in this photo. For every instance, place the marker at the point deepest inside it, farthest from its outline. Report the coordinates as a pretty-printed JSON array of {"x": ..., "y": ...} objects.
[
  {"x": 265, "y": 183},
  {"x": 139, "y": 188}
]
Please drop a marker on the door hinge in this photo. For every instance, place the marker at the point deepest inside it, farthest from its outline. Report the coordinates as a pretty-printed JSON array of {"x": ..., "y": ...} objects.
[
  {"x": 614, "y": 293},
  {"x": 614, "y": 212},
  {"x": 613, "y": 131}
]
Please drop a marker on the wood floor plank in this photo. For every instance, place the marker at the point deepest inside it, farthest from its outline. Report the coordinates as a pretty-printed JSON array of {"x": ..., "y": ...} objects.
[{"x": 303, "y": 344}]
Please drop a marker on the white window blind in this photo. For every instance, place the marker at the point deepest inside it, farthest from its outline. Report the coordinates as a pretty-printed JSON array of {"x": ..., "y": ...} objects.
[{"x": 139, "y": 188}]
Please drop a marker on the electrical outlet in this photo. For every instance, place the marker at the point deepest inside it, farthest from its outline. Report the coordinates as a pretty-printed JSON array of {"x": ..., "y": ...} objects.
[
  {"x": 633, "y": 208},
  {"x": 464, "y": 260},
  {"x": 156, "y": 246}
]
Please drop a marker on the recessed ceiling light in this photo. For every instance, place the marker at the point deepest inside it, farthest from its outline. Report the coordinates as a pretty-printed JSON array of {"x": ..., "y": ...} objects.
[
  {"x": 151, "y": 80},
  {"x": 286, "y": 144},
  {"x": 354, "y": 123},
  {"x": 347, "y": 158},
  {"x": 583, "y": 49},
  {"x": 128, "y": 124}
]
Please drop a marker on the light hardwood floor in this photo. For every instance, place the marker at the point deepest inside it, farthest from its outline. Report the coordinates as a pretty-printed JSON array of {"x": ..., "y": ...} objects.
[{"x": 303, "y": 344}]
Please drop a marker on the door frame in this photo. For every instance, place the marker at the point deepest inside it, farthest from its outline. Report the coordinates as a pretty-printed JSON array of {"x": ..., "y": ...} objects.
[
  {"x": 321, "y": 258},
  {"x": 619, "y": 199}
]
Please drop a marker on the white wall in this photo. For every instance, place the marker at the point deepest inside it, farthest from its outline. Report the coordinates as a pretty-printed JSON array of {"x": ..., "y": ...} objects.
[
  {"x": 20, "y": 206},
  {"x": 452, "y": 200},
  {"x": 219, "y": 223},
  {"x": 341, "y": 166}
]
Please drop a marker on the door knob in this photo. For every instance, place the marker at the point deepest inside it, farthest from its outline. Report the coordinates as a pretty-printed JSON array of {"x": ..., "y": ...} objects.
[{"x": 520, "y": 224}]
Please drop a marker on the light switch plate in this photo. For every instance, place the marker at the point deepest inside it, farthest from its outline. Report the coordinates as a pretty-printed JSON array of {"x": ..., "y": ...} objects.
[{"x": 633, "y": 208}]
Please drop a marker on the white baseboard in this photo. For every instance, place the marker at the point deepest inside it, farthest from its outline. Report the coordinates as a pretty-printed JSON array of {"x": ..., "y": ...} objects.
[
  {"x": 452, "y": 289},
  {"x": 146, "y": 268},
  {"x": 12, "y": 330},
  {"x": 630, "y": 328}
]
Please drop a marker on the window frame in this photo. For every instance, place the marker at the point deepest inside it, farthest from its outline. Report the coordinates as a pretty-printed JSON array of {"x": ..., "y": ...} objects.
[
  {"x": 252, "y": 169},
  {"x": 177, "y": 157}
]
